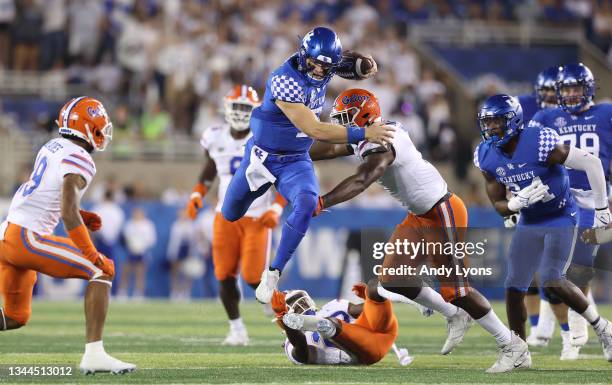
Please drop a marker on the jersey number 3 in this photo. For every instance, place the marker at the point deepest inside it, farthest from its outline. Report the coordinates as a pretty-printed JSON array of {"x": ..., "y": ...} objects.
[{"x": 36, "y": 177}]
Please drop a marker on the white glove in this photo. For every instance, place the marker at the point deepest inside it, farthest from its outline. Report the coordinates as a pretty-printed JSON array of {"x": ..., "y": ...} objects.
[
  {"x": 602, "y": 217},
  {"x": 511, "y": 220},
  {"x": 531, "y": 194}
]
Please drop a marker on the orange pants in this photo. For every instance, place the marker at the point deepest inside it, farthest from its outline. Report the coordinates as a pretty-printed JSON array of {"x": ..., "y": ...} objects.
[
  {"x": 371, "y": 336},
  {"x": 445, "y": 222},
  {"x": 23, "y": 253},
  {"x": 243, "y": 243}
]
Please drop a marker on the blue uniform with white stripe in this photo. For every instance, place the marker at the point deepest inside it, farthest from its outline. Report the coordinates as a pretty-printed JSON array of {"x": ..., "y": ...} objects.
[
  {"x": 546, "y": 232},
  {"x": 284, "y": 150},
  {"x": 590, "y": 131}
]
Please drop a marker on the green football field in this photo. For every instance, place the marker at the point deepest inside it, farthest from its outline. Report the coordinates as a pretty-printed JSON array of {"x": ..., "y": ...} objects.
[{"x": 180, "y": 343}]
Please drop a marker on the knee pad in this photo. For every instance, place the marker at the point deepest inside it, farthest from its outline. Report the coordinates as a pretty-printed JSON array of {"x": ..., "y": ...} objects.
[
  {"x": 580, "y": 275},
  {"x": 230, "y": 215},
  {"x": 99, "y": 279},
  {"x": 304, "y": 205}
]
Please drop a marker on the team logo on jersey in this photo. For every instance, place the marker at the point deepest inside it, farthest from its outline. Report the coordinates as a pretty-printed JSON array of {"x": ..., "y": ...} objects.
[
  {"x": 500, "y": 171},
  {"x": 510, "y": 166},
  {"x": 560, "y": 122}
]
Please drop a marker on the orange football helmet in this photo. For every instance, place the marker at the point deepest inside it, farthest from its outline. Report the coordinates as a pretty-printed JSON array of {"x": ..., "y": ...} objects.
[
  {"x": 238, "y": 105},
  {"x": 355, "y": 106},
  {"x": 86, "y": 119}
]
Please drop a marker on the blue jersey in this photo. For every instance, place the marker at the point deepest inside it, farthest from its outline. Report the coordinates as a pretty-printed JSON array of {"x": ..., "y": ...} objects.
[
  {"x": 527, "y": 163},
  {"x": 272, "y": 130},
  {"x": 590, "y": 131},
  {"x": 530, "y": 107}
]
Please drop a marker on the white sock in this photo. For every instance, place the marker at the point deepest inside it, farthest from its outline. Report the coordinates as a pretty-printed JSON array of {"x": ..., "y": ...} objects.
[
  {"x": 430, "y": 298},
  {"x": 94, "y": 347},
  {"x": 3, "y": 319},
  {"x": 491, "y": 323},
  {"x": 590, "y": 314},
  {"x": 237, "y": 324}
]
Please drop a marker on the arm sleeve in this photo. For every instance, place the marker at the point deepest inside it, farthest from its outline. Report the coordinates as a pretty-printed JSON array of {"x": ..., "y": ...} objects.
[
  {"x": 582, "y": 160},
  {"x": 287, "y": 89},
  {"x": 476, "y": 160}
]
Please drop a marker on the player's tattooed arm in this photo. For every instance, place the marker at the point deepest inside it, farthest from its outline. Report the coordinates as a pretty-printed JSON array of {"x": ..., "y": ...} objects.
[
  {"x": 368, "y": 172},
  {"x": 306, "y": 121},
  {"x": 72, "y": 184},
  {"x": 321, "y": 150},
  {"x": 497, "y": 195}
]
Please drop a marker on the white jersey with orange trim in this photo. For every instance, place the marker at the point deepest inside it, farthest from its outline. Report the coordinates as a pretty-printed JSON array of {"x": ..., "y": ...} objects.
[
  {"x": 227, "y": 154},
  {"x": 36, "y": 205},
  {"x": 327, "y": 352},
  {"x": 412, "y": 180}
]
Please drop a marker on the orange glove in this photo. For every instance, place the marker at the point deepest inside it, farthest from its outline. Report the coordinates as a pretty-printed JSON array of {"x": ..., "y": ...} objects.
[
  {"x": 278, "y": 303},
  {"x": 106, "y": 265},
  {"x": 92, "y": 220},
  {"x": 360, "y": 290},
  {"x": 319, "y": 206},
  {"x": 195, "y": 200}
]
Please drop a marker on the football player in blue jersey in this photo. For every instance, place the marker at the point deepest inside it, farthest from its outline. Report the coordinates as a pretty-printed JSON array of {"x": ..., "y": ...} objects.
[
  {"x": 284, "y": 127},
  {"x": 542, "y": 314},
  {"x": 531, "y": 164},
  {"x": 581, "y": 123}
]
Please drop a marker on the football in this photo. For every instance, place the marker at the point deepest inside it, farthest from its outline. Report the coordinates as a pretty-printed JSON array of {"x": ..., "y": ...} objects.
[{"x": 356, "y": 66}]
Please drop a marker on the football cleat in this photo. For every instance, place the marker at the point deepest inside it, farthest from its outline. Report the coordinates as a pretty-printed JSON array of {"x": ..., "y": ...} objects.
[
  {"x": 535, "y": 340},
  {"x": 236, "y": 337},
  {"x": 514, "y": 355},
  {"x": 269, "y": 283},
  {"x": 104, "y": 363},
  {"x": 605, "y": 337},
  {"x": 579, "y": 329},
  {"x": 457, "y": 326},
  {"x": 569, "y": 351}
]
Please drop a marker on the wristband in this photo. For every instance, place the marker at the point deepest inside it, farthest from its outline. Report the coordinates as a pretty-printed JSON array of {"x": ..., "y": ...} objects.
[
  {"x": 199, "y": 191},
  {"x": 80, "y": 236},
  {"x": 355, "y": 134}
]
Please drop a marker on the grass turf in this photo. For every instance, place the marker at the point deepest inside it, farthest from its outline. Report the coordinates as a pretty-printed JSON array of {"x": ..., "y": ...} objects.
[{"x": 180, "y": 343}]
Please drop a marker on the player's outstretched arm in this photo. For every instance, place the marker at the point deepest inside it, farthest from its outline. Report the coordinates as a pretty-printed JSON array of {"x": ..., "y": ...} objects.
[
  {"x": 207, "y": 176},
  {"x": 368, "y": 172},
  {"x": 321, "y": 150},
  {"x": 579, "y": 159},
  {"x": 306, "y": 121}
]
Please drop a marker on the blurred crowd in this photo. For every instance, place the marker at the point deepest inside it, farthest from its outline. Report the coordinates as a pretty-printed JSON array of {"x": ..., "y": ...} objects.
[{"x": 164, "y": 66}]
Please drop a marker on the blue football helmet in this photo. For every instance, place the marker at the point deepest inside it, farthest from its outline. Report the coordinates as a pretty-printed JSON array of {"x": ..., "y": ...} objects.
[
  {"x": 322, "y": 45},
  {"x": 546, "y": 80},
  {"x": 575, "y": 74},
  {"x": 503, "y": 107}
]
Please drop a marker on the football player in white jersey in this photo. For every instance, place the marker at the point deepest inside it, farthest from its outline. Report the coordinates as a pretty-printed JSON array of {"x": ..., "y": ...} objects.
[
  {"x": 435, "y": 214},
  {"x": 341, "y": 332},
  {"x": 62, "y": 172},
  {"x": 243, "y": 245}
]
